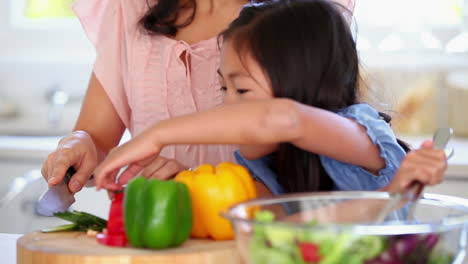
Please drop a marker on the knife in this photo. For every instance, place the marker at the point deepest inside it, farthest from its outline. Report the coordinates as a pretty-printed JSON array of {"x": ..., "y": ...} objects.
[{"x": 57, "y": 198}]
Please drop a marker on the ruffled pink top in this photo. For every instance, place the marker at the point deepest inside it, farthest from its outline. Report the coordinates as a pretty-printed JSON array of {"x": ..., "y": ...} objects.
[{"x": 146, "y": 77}]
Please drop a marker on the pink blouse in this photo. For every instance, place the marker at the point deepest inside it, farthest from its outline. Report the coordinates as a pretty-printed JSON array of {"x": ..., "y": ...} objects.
[{"x": 146, "y": 77}]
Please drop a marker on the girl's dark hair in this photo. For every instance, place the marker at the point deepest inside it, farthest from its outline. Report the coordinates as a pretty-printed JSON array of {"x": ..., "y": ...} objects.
[
  {"x": 388, "y": 119},
  {"x": 308, "y": 52},
  {"x": 161, "y": 18}
]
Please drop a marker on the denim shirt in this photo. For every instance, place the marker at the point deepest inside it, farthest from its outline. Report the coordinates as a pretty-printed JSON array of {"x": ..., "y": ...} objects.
[{"x": 346, "y": 177}]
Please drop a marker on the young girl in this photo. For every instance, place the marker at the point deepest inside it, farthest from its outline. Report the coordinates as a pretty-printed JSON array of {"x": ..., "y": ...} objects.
[{"x": 289, "y": 70}]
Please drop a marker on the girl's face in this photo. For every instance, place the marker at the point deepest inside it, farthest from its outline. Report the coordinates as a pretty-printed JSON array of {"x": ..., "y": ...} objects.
[{"x": 242, "y": 79}]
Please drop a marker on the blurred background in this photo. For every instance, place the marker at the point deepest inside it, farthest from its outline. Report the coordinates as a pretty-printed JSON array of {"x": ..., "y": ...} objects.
[{"x": 414, "y": 57}]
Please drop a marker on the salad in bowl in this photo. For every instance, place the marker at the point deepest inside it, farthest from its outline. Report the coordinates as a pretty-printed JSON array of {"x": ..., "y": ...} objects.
[{"x": 341, "y": 227}]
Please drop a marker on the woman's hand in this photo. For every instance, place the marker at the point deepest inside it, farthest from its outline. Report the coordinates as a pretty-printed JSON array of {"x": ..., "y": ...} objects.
[
  {"x": 426, "y": 165},
  {"x": 77, "y": 150}
]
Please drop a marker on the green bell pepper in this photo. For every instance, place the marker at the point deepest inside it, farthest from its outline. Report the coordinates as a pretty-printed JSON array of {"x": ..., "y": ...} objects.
[{"x": 157, "y": 214}]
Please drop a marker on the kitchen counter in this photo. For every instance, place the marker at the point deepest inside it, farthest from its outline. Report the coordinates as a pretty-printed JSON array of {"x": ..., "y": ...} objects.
[{"x": 8, "y": 248}]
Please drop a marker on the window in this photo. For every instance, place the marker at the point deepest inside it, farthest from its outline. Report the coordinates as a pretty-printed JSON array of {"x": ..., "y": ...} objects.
[
  {"x": 42, "y": 14},
  {"x": 42, "y": 31}
]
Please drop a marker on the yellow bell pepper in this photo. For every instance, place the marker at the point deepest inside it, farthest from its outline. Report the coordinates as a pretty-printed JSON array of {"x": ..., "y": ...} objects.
[{"x": 213, "y": 190}]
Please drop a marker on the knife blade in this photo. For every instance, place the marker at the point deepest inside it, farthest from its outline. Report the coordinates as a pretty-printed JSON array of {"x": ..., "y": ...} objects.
[{"x": 57, "y": 198}]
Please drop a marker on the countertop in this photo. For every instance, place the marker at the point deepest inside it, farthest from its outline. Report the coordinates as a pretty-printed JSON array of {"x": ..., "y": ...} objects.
[{"x": 8, "y": 248}]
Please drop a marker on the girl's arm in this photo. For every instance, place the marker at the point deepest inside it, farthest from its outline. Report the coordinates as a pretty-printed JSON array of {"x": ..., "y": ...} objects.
[
  {"x": 253, "y": 152},
  {"x": 260, "y": 122},
  {"x": 425, "y": 165}
]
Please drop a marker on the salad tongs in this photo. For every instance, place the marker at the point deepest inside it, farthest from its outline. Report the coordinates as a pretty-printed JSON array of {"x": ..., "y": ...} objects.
[{"x": 441, "y": 138}]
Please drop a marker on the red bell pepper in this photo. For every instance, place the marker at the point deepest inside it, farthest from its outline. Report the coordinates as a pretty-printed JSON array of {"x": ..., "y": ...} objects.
[
  {"x": 115, "y": 234},
  {"x": 310, "y": 252}
]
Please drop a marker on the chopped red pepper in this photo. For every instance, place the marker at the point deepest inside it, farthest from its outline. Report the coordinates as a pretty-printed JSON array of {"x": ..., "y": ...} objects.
[
  {"x": 112, "y": 240},
  {"x": 310, "y": 252},
  {"x": 115, "y": 223},
  {"x": 115, "y": 233}
]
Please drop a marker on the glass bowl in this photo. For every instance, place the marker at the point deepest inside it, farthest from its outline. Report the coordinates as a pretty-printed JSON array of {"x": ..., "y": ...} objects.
[{"x": 341, "y": 227}]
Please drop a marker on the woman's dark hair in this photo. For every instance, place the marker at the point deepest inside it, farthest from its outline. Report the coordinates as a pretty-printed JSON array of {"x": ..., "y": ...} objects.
[
  {"x": 161, "y": 18},
  {"x": 308, "y": 52}
]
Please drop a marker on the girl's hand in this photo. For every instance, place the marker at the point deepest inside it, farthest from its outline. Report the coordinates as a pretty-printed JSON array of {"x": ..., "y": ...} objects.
[
  {"x": 160, "y": 168},
  {"x": 138, "y": 153},
  {"x": 426, "y": 165},
  {"x": 77, "y": 150}
]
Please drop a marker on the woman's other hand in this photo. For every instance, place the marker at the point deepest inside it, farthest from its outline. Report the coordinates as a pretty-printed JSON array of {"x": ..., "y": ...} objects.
[
  {"x": 426, "y": 165},
  {"x": 77, "y": 150}
]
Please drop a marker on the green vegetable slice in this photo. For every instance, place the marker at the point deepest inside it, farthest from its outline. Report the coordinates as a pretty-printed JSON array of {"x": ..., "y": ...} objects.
[
  {"x": 60, "y": 228},
  {"x": 81, "y": 218},
  {"x": 81, "y": 221}
]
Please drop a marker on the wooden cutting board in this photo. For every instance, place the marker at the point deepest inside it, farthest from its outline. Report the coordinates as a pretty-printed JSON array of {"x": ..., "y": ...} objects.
[{"x": 78, "y": 248}]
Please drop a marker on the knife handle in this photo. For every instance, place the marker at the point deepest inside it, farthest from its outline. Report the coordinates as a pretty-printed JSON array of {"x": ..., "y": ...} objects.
[{"x": 69, "y": 174}]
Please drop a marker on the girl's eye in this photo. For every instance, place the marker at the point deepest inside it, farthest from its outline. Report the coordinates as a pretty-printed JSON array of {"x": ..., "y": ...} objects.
[
  {"x": 242, "y": 91},
  {"x": 223, "y": 88}
]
